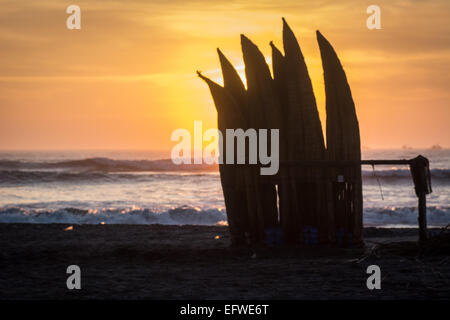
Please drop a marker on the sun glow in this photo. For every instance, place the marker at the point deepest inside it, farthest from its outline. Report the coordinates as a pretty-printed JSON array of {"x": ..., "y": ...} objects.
[{"x": 127, "y": 79}]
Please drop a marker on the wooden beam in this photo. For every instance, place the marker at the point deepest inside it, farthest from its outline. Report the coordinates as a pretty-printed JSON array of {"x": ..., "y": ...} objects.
[{"x": 342, "y": 163}]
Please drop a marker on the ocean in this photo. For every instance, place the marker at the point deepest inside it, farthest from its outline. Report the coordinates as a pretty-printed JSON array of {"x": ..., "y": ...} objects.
[{"x": 137, "y": 187}]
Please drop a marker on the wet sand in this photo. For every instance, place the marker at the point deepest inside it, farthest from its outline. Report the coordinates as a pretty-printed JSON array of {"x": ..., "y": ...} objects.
[{"x": 196, "y": 262}]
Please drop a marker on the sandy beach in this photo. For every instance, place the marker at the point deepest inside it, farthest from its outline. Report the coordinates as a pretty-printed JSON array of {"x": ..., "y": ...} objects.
[{"x": 196, "y": 262}]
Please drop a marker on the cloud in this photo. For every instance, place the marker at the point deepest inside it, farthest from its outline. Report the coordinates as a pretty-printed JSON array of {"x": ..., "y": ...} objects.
[{"x": 157, "y": 45}]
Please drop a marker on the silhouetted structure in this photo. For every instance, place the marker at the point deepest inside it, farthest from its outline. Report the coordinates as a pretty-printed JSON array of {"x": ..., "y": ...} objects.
[{"x": 319, "y": 189}]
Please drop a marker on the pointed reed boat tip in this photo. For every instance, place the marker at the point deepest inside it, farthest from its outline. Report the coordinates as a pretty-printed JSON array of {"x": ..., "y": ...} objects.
[
  {"x": 245, "y": 39},
  {"x": 285, "y": 24},
  {"x": 222, "y": 57},
  {"x": 287, "y": 31},
  {"x": 199, "y": 73},
  {"x": 272, "y": 45},
  {"x": 246, "y": 42},
  {"x": 319, "y": 35}
]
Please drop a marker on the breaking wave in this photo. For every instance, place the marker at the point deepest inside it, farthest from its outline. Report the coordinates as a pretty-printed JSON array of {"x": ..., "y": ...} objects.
[
  {"x": 105, "y": 165},
  {"x": 436, "y": 174},
  {"x": 186, "y": 215},
  {"x": 405, "y": 216},
  {"x": 183, "y": 215},
  {"x": 24, "y": 177},
  {"x": 105, "y": 169}
]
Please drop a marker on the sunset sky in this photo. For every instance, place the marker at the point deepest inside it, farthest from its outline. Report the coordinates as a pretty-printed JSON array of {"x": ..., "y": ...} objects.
[{"x": 127, "y": 79}]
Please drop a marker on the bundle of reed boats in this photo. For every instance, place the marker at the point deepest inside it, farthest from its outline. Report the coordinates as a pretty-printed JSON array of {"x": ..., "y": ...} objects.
[{"x": 301, "y": 204}]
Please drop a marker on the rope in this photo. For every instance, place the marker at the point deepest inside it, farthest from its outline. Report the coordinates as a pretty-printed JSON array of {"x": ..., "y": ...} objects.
[{"x": 378, "y": 180}]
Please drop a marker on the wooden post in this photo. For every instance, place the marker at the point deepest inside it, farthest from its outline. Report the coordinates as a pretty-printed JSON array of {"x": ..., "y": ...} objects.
[
  {"x": 420, "y": 171},
  {"x": 422, "y": 216}
]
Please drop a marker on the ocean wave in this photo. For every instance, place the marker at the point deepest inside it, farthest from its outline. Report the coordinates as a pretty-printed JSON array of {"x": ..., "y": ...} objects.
[
  {"x": 18, "y": 177},
  {"x": 105, "y": 165},
  {"x": 438, "y": 174},
  {"x": 186, "y": 215},
  {"x": 405, "y": 216},
  {"x": 111, "y": 165},
  {"x": 105, "y": 169},
  {"x": 12, "y": 177},
  {"x": 176, "y": 216}
]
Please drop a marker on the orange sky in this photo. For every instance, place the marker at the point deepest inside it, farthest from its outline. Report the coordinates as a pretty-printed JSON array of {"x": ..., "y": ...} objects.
[{"x": 127, "y": 79}]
